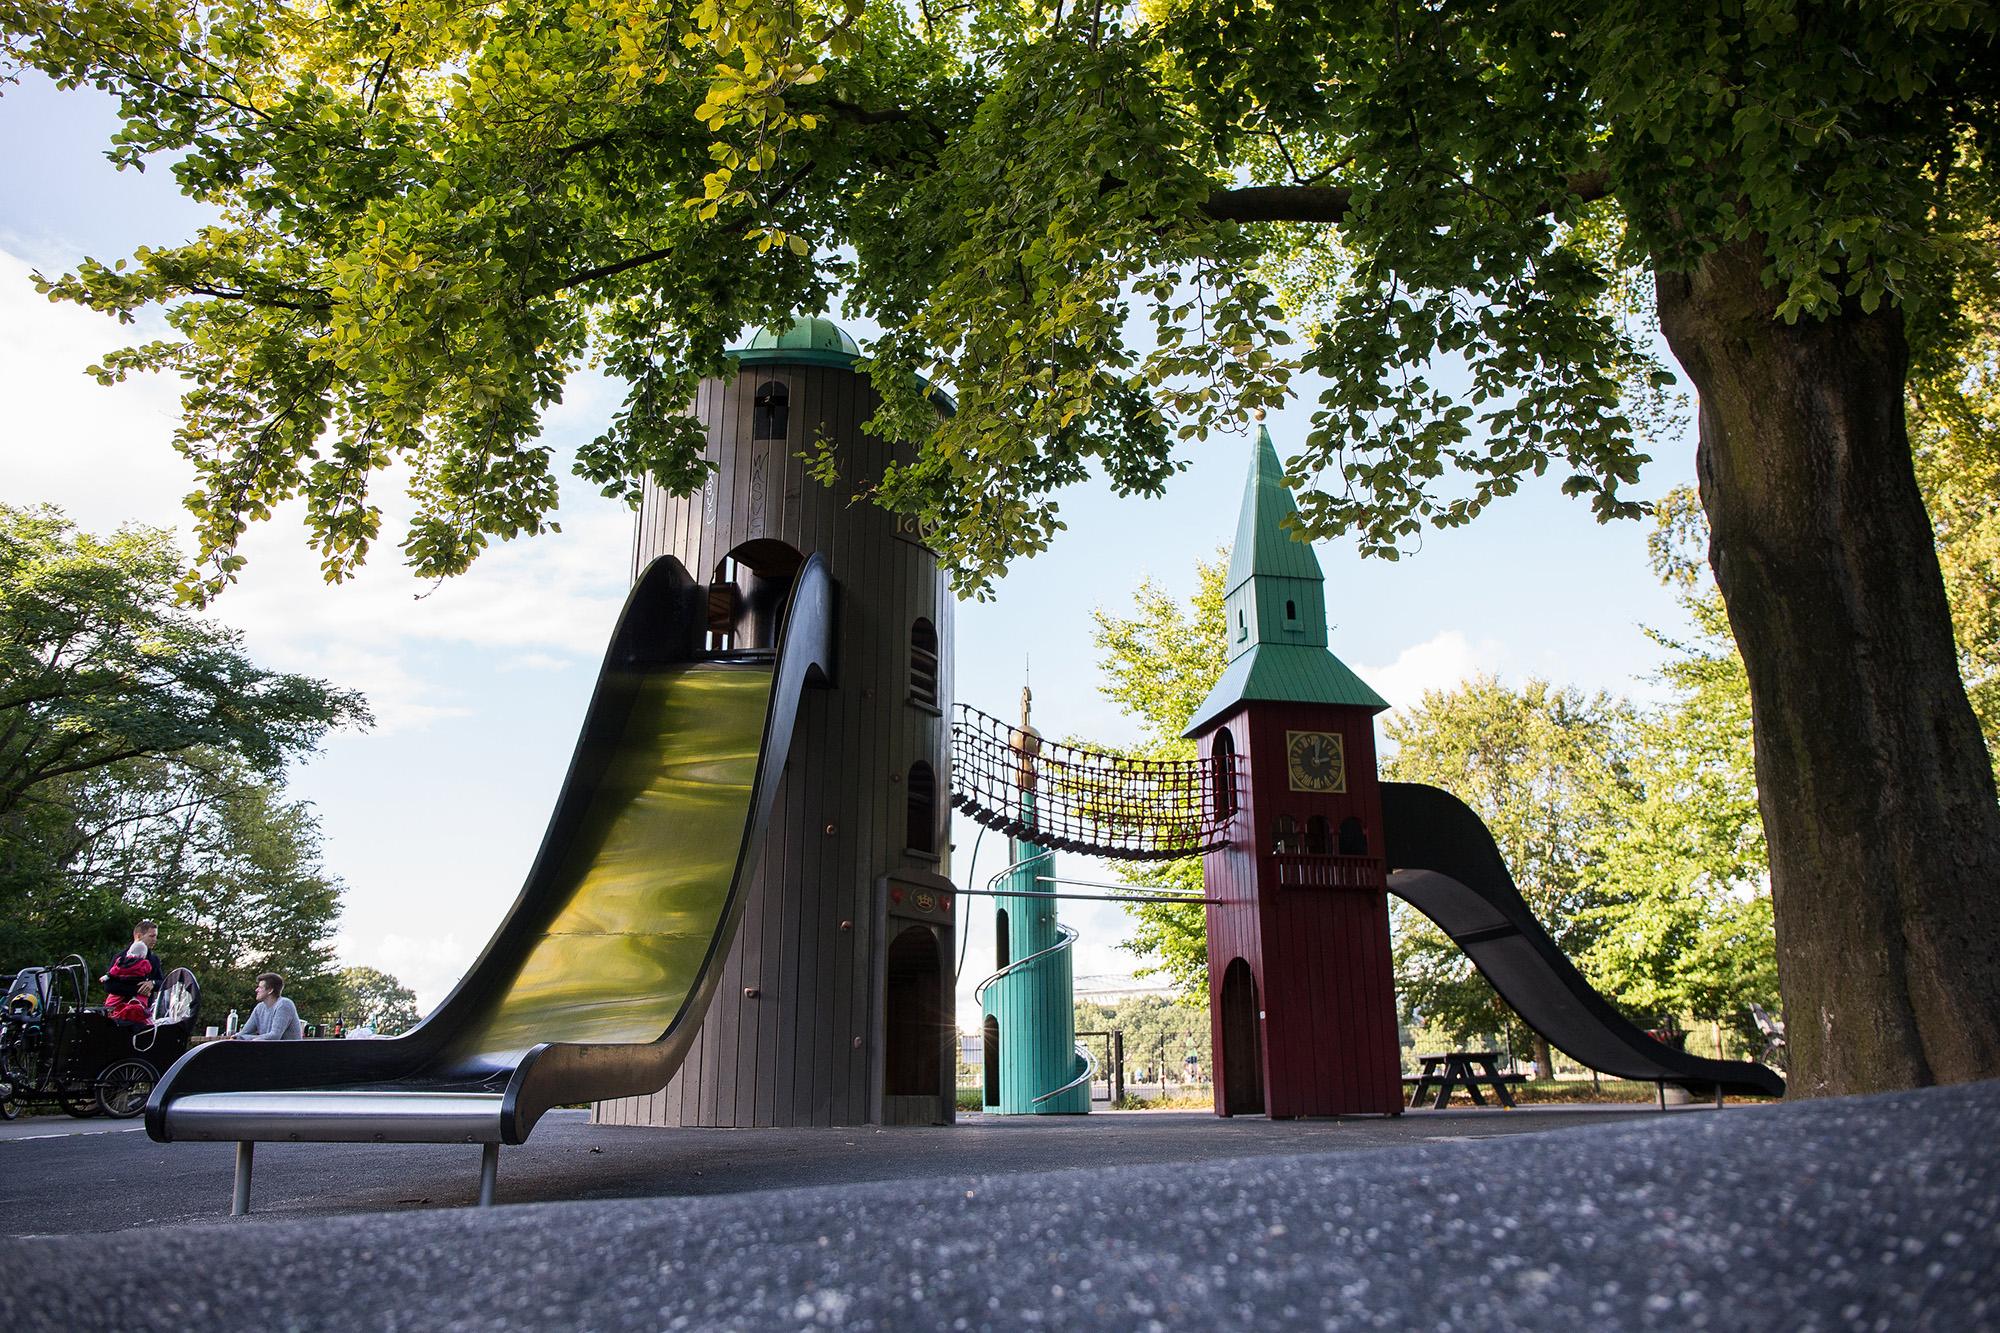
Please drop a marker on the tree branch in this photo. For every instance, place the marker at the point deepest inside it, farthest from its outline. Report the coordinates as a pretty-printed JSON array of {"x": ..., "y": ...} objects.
[{"x": 1329, "y": 204}]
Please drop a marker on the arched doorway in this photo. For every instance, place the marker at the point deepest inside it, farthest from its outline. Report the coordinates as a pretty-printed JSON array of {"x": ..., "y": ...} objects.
[
  {"x": 913, "y": 1012},
  {"x": 989, "y": 1039},
  {"x": 1242, "y": 1056},
  {"x": 746, "y": 596}
]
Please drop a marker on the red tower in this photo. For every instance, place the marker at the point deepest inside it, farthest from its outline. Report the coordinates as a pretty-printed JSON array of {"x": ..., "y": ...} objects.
[{"x": 1301, "y": 992}]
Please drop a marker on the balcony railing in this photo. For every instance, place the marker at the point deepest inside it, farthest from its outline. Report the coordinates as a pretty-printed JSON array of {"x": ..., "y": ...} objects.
[{"x": 1317, "y": 870}]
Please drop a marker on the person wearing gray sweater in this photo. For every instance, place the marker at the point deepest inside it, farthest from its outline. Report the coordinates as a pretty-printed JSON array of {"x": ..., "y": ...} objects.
[{"x": 273, "y": 1017}]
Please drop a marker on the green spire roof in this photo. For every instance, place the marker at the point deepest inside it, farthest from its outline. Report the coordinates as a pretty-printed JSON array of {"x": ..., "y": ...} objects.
[
  {"x": 1263, "y": 546},
  {"x": 1275, "y": 609}
]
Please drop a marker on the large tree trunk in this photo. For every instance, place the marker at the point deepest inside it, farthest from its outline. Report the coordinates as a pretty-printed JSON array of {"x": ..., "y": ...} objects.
[{"x": 1877, "y": 795}]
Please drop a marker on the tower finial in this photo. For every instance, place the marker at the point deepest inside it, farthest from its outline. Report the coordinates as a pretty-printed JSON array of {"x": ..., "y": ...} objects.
[{"x": 1027, "y": 693}]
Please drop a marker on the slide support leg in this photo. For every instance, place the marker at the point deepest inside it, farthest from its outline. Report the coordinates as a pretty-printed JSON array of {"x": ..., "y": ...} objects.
[
  {"x": 239, "y": 1204},
  {"x": 489, "y": 1173}
]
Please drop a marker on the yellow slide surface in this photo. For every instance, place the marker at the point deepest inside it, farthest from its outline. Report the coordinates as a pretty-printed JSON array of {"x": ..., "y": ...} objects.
[{"x": 646, "y": 881}]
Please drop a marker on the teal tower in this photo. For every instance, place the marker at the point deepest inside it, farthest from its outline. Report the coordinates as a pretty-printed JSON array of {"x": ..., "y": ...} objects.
[{"x": 1027, "y": 1007}]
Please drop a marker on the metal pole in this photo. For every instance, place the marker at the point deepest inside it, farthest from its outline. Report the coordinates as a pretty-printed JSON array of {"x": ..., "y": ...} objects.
[
  {"x": 240, "y": 1203},
  {"x": 489, "y": 1173},
  {"x": 1091, "y": 897}
]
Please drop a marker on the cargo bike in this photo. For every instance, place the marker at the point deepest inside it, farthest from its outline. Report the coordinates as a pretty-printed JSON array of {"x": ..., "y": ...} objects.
[{"x": 58, "y": 1048}]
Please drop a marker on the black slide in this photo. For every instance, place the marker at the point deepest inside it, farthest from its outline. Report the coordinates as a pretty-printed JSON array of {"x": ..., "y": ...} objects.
[{"x": 1443, "y": 862}]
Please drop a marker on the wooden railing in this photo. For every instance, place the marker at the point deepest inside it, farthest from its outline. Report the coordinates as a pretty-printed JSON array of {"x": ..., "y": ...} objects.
[{"x": 1318, "y": 870}]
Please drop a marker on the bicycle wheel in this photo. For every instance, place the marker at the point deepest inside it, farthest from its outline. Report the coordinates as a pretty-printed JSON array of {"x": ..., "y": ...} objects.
[{"x": 122, "y": 1089}]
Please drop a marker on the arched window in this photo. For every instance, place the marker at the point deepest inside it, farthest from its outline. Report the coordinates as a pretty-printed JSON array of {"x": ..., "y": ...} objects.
[
  {"x": 773, "y": 411},
  {"x": 1242, "y": 625},
  {"x": 1319, "y": 836},
  {"x": 1223, "y": 773},
  {"x": 1291, "y": 609},
  {"x": 924, "y": 663},
  {"x": 1003, "y": 952},
  {"x": 1284, "y": 835},
  {"x": 1353, "y": 838},
  {"x": 922, "y": 787}
]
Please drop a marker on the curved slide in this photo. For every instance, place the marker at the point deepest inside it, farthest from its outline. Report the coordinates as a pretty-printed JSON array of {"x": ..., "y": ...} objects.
[
  {"x": 1443, "y": 862},
  {"x": 597, "y": 980}
]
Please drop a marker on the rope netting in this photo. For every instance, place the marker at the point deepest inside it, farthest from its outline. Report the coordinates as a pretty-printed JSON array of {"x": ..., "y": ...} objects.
[{"x": 1088, "y": 801}]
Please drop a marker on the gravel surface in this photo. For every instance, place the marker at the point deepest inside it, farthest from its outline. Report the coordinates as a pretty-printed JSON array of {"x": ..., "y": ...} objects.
[{"x": 1864, "y": 1213}]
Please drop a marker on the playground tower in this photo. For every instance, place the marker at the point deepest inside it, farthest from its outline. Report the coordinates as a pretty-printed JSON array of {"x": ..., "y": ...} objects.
[
  {"x": 836, "y": 1004},
  {"x": 1027, "y": 1008},
  {"x": 1301, "y": 992}
]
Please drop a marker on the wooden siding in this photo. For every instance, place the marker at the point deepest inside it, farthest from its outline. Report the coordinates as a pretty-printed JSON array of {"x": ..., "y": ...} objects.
[
  {"x": 795, "y": 1035},
  {"x": 1313, "y": 929}
]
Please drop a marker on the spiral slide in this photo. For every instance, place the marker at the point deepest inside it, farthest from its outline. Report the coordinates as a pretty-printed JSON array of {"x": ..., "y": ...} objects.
[
  {"x": 596, "y": 982},
  {"x": 1443, "y": 861}
]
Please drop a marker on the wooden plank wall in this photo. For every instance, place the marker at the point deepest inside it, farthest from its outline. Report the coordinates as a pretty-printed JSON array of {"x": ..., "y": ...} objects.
[
  {"x": 805, "y": 1049},
  {"x": 1320, "y": 956}
]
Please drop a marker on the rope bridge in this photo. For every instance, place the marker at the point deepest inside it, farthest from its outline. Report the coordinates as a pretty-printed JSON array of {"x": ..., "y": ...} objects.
[{"x": 1075, "y": 800}]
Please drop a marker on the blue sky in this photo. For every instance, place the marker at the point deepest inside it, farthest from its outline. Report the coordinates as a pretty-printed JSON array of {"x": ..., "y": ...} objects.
[{"x": 432, "y": 818}]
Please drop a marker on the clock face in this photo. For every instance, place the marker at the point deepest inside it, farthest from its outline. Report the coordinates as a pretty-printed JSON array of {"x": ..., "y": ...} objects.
[{"x": 1316, "y": 760}]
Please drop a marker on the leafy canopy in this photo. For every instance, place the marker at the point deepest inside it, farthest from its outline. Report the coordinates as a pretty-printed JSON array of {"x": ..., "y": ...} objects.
[
  {"x": 98, "y": 666},
  {"x": 430, "y": 216}
]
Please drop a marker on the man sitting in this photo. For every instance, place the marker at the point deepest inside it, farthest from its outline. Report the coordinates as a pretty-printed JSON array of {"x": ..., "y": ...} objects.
[{"x": 273, "y": 1017}]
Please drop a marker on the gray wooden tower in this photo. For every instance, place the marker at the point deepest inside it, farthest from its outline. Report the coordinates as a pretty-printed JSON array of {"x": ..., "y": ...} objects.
[{"x": 836, "y": 1004}]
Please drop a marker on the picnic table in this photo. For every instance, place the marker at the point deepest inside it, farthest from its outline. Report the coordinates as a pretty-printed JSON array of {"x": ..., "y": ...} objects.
[{"x": 1461, "y": 1068}]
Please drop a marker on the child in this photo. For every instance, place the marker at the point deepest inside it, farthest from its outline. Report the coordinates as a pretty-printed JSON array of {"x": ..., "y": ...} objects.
[{"x": 133, "y": 966}]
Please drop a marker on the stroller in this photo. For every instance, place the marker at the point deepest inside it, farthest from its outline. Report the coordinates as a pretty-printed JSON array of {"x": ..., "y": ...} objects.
[
  {"x": 55, "y": 1047},
  {"x": 1773, "y": 1032}
]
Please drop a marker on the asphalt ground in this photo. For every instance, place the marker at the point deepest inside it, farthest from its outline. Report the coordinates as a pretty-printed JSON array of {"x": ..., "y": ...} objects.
[
  {"x": 1857, "y": 1213},
  {"x": 56, "y": 1173}
]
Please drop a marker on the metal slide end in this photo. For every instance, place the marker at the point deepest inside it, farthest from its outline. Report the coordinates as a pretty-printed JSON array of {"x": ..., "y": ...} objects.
[
  {"x": 489, "y": 1173},
  {"x": 240, "y": 1203}
]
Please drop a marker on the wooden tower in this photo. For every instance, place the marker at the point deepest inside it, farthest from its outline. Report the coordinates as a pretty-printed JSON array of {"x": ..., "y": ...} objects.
[
  {"x": 1301, "y": 992},
  {"x": 836, "y": 1005}
]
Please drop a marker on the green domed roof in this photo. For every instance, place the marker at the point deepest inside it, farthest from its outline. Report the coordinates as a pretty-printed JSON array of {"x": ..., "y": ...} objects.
[
  {"x": 814, "y": 335},
  {"x": 816, "y": 341}
]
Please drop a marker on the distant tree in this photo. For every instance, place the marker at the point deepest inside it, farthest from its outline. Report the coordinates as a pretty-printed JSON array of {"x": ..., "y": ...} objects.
[
  {"x": 377, "y": 1000},
  {"x": 1955, "y": 437},
  {"x": 142, "y": 760},
  {"x": 99, "y": 665},
  {"x": 1157, "y": 1030},
  {"x": 1158, "y": 665},
  {"x": 1545, "y": 768},
  {"x": 1682, "y": 923}
]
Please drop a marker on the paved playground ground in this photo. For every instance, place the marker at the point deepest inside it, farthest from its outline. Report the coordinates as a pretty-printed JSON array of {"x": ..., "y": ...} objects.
[{"x": 1855, "y": 1213}]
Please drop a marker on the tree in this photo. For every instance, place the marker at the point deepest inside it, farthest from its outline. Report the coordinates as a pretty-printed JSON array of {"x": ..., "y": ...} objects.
[
  {"x": 1158, "y": 665},
  {"x": 98, "y": 667},
  {"x": 377, "y": 1000},
  {"x": 1544, "y": 768},
  {"x": 142, "y": 758},
  {"x": 1955, "y": 429},
  {"x": 432, "y": 215},
  {"x": 1682, "y": 924}
]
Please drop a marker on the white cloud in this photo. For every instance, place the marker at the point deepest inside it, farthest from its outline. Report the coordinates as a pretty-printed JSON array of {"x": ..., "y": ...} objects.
[
  {"x": 1438, "y": 663},
  {"x": 430, "y": 965},
  {"x": 106, "y": 457}
]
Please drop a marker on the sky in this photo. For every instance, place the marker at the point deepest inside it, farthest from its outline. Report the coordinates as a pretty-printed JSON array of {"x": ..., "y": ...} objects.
[{"x": 432, "y": 817}]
